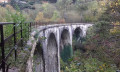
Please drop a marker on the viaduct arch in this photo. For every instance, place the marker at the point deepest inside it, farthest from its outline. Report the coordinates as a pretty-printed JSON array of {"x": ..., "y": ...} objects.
[{"x": 50, "y": 44}]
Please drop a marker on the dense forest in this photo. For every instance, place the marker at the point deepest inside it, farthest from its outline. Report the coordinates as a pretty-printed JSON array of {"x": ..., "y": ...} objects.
[{"x": 99, "y": 51}]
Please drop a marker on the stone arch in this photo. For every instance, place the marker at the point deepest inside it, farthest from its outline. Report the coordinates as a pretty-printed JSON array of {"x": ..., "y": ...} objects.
[
  {"x": 77, "y": 39},
  {"x": 65, "y": 47},
  {"x": 65, "y": 37},
  {"x": 38, "y": 59},
  {"x": 52, "y": 51},
  {"x": 77, "y": 33}
]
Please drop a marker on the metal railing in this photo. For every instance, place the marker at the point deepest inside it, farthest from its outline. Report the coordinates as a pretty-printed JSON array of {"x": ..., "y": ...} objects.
[{"x": 3, "y": 65}]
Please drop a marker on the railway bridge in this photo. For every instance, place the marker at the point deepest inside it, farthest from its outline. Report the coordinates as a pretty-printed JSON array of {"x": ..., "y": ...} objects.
[{"x": 48, "y": 42}]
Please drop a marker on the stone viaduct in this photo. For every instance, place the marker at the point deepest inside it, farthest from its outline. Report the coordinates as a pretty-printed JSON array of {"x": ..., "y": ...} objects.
[{"x": 46, "y": 43}]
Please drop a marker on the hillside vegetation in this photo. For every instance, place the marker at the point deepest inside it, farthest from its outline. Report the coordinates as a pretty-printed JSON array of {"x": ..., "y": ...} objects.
[
  {"x": 102, "y": 43},
  {"x": 66, "y": 11}
]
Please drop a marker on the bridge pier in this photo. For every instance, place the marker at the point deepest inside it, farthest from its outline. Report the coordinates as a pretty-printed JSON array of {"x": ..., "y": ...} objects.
[
  {"x": 66, "y": 51},
  {"x": 52, "y": 54},
  {"x": 38, "y": 59}
]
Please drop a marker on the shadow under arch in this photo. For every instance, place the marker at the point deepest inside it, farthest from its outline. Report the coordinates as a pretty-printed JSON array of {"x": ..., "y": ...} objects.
[
  {"x": 77, "y": 39},
  {"x": 66, "y": 50},
  {"x": 52, "y": 51},
  {"x": 38, "y": 59},
  {"x": 77, "y": 32}
]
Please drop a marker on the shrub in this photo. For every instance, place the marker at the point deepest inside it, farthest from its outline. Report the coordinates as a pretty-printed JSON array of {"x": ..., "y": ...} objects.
[
  {"x": 48, "y": 10},
  {"x": 103, "y": 43},
  {"x": 81, "y": 63},
  {"x": 40, "y": 18},
  {"x": 55, "y": 16},
  {"x": 116, "y": 29},
  {"x": 2, "y": 14}
]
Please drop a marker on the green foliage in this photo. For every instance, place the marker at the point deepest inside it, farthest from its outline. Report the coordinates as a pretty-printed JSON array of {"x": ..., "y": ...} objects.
[
  {"x": 13, "y": 3},
  {"x": 116, "y": 29},
  {"x": 11, "y": 15},
  {"x": 55, "y": 16},
  {"x": 63, "y": 4},
  {"x": 102, "y": 28},
  {"x": 81, "y": 63},
  {"x": 36, "y": 35},
  {"x": 66, "y": 53},
  {"x": 81, "y": 7},
  {"x": 48, "y": 10},
  {"x": 88, "y": 18},
  {"x": 47, "y": 13},
  {"x": 89, "y": 10},
  {"x": 105, "y": 17},
  {"x": 102, "y": 44},
  {"x": 16, "y": 17}
]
